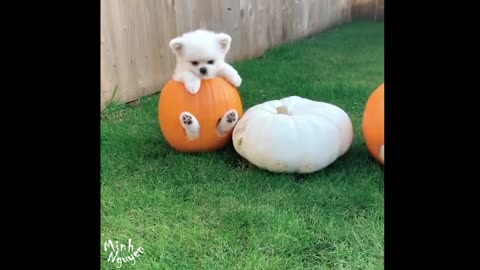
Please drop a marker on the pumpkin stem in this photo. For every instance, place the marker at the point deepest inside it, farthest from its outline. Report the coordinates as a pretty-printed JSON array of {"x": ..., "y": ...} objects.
[{"x": 282, "y": 109}]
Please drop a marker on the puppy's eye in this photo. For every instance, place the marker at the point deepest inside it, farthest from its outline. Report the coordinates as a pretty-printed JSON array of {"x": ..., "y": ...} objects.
[
  {"x": 195, "y": 63},
  {"x": 211, "y": 62}
]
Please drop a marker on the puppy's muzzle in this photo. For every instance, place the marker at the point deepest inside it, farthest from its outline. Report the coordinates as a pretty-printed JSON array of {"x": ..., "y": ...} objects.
[{"x": 203, "y": 70}]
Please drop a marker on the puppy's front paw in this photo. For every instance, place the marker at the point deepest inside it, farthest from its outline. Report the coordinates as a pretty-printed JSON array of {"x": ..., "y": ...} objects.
[
  {"x": 236, "y": 80},
  {"x": 193, "y": 86}
]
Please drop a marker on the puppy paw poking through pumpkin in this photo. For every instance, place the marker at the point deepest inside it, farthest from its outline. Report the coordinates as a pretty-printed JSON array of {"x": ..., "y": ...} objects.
[
  {"x": 227, "y": 122},
  {"x": 190, "y": 125}
]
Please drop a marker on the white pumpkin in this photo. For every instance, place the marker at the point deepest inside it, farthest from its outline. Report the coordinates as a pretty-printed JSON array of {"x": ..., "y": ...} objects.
[{"x": 293, "y": 134}]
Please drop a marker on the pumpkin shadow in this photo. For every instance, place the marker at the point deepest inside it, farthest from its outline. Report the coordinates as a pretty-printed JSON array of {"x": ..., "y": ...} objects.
[
  {"x": 233, "y": 160},
  {"x": 346, "y": 164}
]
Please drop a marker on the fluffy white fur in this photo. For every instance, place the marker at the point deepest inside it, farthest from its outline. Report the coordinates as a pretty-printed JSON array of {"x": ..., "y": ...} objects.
[{"x": 201, "y": 55}]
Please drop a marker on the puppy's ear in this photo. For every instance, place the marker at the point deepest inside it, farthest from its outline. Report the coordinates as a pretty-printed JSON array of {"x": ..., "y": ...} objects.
[
  {"x": 224, "y": 40},
  {"x": 176, "y": 45}
]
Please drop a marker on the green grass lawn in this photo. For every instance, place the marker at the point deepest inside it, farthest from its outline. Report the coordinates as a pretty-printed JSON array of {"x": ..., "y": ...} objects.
[{"x": 215, "y": 211}]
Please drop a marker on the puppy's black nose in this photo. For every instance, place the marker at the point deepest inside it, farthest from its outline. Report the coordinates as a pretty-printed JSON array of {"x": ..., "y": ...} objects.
[{"x": 203, "y": 70}]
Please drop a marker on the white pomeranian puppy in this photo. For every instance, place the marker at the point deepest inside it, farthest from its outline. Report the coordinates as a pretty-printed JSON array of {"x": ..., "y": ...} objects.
[{"x": 201, "y": 55}]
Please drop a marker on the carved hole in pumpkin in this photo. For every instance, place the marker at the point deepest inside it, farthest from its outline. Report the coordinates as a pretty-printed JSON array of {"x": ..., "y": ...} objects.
[{"x": 218, "y": 134}]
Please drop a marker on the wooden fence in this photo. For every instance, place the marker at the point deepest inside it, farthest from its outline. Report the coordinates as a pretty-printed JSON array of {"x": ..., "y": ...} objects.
[
  {"x": 368, "y": 9},
  {"x": 136, "y": 60}
]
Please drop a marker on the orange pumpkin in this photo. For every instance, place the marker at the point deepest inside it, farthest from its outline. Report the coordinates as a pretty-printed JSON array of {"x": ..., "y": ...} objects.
[
  {"x": 215, "y": 97},
  {"x": 373, "y": 124}
]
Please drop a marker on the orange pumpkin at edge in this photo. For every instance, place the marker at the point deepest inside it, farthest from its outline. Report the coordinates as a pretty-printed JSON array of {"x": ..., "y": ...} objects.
[
  {"x": 215, "y": 97},
  {"x": 373, "y": 125}
]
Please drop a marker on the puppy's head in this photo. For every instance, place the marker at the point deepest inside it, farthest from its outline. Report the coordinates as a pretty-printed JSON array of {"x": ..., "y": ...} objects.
[{"x": 201, "y": 51}]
